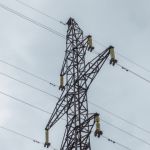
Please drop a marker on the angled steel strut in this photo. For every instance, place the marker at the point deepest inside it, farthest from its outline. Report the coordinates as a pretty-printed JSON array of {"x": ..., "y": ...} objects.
[{"x": 73, "y": 103}]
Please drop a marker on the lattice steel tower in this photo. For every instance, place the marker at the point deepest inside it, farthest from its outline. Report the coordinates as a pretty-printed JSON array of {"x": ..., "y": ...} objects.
[{"x": 79, "y": 75}]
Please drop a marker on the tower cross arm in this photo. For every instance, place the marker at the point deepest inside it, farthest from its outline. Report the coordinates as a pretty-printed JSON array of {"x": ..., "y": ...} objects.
[
  {"x": 59, "y": 110},
  {"x": 90, "y": 121},
  {"x": 93, "y": 67}
]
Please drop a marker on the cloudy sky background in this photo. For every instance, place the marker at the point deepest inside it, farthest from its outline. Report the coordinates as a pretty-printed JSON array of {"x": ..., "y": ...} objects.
[{"x": 124, "y": 24}]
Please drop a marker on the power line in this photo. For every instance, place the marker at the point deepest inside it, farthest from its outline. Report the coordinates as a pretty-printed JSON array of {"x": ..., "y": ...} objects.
[
  {"x": 100, "y": 43},
  {"x": 42, "y": 110},
  {"x": 32, "y": 21},
  {"x": 24, "y": 102},
  {"x": 102, "y": 108},
  {"x": 39, "y": 11},
  {"x": 114, "y": 142},
  {"x": 119, "y": 117},
  {"x": 133, "y": 62},
  {"x": 53, "y": 18},
  {"x": 31, "y": 86},
  {"x": 22, "y": 135},
  {"x": 134, "y": 73},
  {"x": 51, "y": 30},
  {"x": 53, "y": 84},
  {"x": 124, "y": 131},
  {"x": 27, "y": 72},
  {"x": 56, "y": 32},
  {"x": 126, "y": 58},
  {"x": 38, "y": 142}
]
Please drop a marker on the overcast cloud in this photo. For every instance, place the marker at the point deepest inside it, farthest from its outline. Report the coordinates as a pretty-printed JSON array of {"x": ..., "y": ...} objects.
[{"x": 125, "y": 24}]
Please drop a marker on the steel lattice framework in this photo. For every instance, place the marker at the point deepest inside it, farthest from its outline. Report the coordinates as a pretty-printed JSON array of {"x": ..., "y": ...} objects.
[{"x": 73, "y": 100}]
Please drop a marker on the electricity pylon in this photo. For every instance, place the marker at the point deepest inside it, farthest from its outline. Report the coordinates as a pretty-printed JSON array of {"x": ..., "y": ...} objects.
[{"x": 79, "y": 75}]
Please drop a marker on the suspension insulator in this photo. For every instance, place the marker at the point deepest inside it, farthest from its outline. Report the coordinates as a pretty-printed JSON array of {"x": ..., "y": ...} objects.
[
  {"x": 47, "y": 143},
  {"x": 90, "y": 43},
  {"x": 97, "y": 119},
  {"x": 98, "y": 126},
  {"x": 98, "y": 131},
  {"x": 113, "y": 60},
  {"x": 61, "y": 87}
]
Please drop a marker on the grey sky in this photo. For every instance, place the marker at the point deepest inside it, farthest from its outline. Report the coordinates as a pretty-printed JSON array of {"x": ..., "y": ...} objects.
[{"x": 124, "y": 24}]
